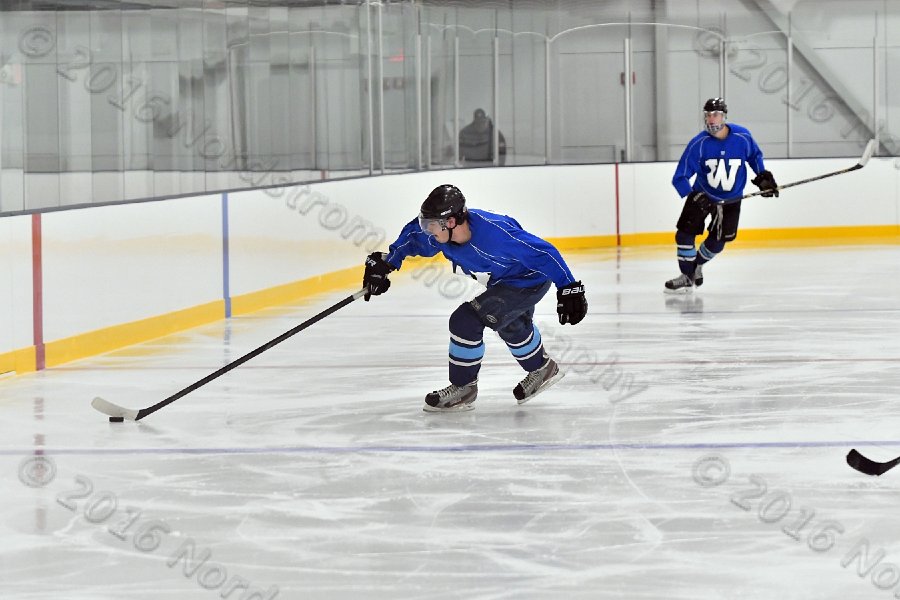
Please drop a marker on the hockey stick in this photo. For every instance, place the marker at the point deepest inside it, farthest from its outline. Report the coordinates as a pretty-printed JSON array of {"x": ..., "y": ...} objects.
[
  {"x": 866, "y": 155},
  {"x": 868, "y": 466},
  {"x": 118, "y": 413}
]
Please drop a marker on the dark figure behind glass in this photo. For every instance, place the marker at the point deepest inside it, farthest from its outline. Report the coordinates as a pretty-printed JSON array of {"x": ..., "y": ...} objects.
[{"x": 476, "y": 141}]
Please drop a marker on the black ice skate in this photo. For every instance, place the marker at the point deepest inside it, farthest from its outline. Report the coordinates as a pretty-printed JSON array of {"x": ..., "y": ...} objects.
[
  {"x": 680, "y": 285},
  {"x": 452, "y": 398},
  {"x": 538, "y": 381},
  {"x": 698, "y": 276}
]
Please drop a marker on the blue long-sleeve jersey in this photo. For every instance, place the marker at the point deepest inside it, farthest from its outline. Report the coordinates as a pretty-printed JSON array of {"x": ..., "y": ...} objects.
[
  {"x": 720, "y": 165},
  {"x": 499, "y": 246}
]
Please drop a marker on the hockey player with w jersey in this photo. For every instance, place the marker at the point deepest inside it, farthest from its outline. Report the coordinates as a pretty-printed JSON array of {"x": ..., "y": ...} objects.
[
  {"x": 521, "y": 265},
  {"x": 719, "y": 157}
]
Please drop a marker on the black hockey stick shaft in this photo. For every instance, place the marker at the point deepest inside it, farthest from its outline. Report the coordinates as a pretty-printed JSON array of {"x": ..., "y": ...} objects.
[
  {"x": 802, "y": 181},
  {"x": 236, "y": 363},
  {"x": 869, "y": 466},
  {"x": 866, "y": 155}
]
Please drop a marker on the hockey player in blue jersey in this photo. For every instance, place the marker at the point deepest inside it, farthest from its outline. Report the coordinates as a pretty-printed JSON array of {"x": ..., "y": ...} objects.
[
  {"x": 521, "y": 266},
  {"x": 719, "y": 157}
]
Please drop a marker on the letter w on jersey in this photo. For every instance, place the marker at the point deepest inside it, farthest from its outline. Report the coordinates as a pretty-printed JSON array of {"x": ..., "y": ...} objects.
[{"x": 719, "y": 175}]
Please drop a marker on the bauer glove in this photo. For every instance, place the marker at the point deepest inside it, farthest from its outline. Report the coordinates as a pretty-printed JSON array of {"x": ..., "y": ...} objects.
[
  {"x": 571, "y": 305},
  {"x": 375, "y": 278}
]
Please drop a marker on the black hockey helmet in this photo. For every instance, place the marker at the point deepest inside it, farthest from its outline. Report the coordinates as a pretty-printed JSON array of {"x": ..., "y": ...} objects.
[
  {"x": 443, "y": 202},
  {"x": 715, "y": 105}
]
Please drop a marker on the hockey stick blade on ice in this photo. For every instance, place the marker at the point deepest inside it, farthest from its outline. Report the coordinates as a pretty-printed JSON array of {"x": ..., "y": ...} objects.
[
  {"x": 868, "y": 466},
  {"x": 866, "y": 155},
  {"x": 120, "y": 413}
]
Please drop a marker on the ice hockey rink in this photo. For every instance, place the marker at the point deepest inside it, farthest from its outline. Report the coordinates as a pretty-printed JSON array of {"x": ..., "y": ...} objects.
[{"x": 694, "y": 450}]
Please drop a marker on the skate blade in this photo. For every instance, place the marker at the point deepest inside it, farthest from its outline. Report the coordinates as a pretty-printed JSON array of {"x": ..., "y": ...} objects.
[
  {"x": 458, "y": 408},
  {"x": 680, "y": 291},
  {"x": 546, "y": 385}
]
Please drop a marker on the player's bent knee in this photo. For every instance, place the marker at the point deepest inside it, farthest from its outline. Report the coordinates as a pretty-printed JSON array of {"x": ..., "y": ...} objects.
[
  {"x": 515, "y": 328},
  {"x": 715, "y": 246},
  {"x": 691, "y": 223},
  {"x": 465, "y": 322},
  {"x": 691, "y": 219},
  {"x": 683, "y": 238},
  {"x": 488, "y": 309}
]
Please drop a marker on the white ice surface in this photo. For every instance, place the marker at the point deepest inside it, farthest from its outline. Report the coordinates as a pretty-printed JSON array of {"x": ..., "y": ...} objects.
[{"x": 313, "y": 471}]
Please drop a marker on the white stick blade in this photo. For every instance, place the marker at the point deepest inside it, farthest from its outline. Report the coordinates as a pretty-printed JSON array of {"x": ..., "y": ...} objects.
[
  {"x": 113, "y": 410},
  {"x": 867, "y": 154}
]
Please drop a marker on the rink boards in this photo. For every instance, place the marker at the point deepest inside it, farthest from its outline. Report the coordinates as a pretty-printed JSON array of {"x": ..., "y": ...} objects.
[{"x": 85, "y": 281}]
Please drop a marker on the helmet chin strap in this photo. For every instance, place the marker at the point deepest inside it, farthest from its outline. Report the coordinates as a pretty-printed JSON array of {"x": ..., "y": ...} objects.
[
  {"x": 458, "y": 223},
  {"x": 450, "y": 229}
]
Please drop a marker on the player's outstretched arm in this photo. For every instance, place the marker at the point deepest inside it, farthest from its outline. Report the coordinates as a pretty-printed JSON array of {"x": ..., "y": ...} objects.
[{"x": 411, "y": 242}]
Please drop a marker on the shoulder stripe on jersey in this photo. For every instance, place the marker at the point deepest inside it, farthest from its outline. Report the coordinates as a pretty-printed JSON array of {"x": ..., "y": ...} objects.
[
  {"x": 397, "y": 249},
  {"x": 561, "y": 268},
  {"x": 746, "y": 139},
  {"x": 489, "y": 256},
  {"x": 411, "y": 234}
]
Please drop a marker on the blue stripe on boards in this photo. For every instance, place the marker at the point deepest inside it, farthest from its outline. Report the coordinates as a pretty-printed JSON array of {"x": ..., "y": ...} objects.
[{"x": 226, "y": 292}]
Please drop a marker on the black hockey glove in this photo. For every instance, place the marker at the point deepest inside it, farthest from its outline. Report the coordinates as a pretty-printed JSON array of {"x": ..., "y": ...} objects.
[
  {"x": 375, "y": 278},
  {"x": 571, "y": 305},
  {"x": 766, "y": 181},
  {"x": 701, "y": 201}
]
